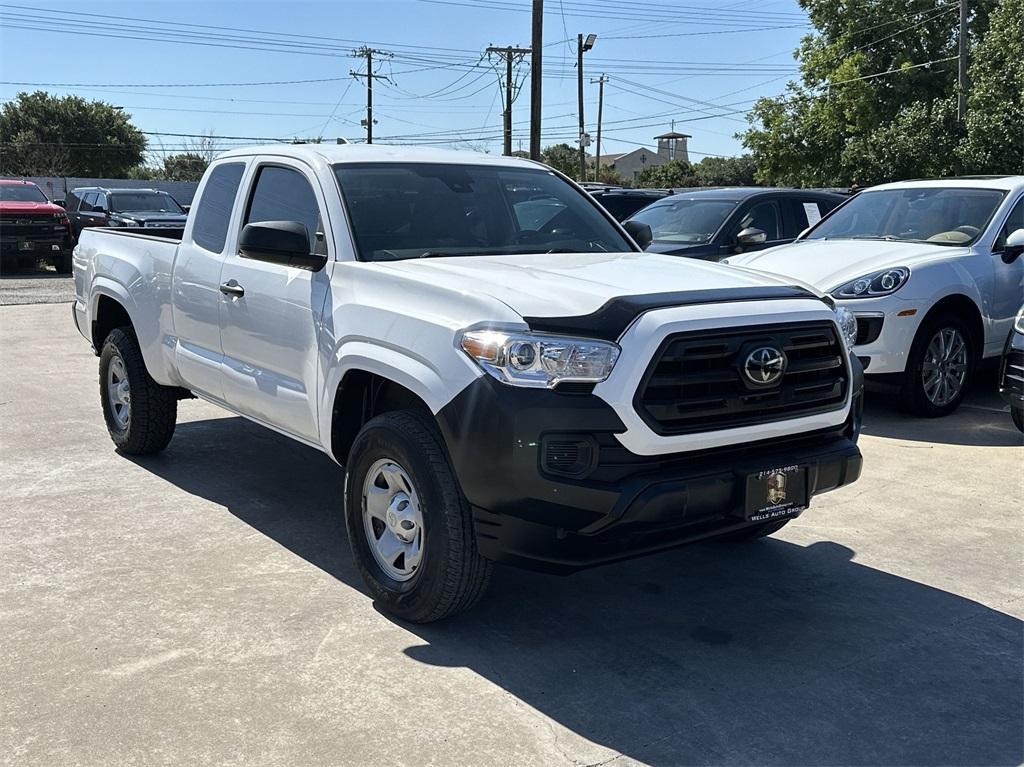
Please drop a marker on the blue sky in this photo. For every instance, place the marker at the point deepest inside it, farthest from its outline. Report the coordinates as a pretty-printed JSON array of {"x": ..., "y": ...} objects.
[{"x": 698, "y": 62}]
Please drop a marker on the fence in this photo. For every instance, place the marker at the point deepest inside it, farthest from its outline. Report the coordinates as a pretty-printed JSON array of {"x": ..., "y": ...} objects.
[{"x": 57, "y": 187}]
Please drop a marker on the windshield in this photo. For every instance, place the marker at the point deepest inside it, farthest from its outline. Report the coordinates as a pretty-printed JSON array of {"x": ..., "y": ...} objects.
[
  {"x": 420, "y": 210},
  {"x": 160, "y": 202},
  {"x": 21, "y": 193},
  {"x": 685, "y": 220},
  {"x": 940, "y": 215}
]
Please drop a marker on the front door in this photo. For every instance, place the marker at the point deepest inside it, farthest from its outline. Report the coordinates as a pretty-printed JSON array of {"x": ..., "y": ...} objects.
[{"x": 271, "y": 315}]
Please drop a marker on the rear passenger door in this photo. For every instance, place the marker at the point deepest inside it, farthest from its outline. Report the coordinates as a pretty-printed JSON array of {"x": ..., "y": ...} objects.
[
  {"x": 805, "y": 212},
  {"x": 271, "y": 317},
  {"x": 195, "y": 285}
]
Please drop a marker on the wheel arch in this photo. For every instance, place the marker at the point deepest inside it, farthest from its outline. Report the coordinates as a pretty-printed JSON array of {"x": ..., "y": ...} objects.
[
  {"x": 964, "y": 307},
  {"x": 109, "y": 310}
]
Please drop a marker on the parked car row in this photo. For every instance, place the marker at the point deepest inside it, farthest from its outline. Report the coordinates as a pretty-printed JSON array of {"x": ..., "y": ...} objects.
[
  {"x": 33, "y": 228},
  {"x": 931, "y": 271}
]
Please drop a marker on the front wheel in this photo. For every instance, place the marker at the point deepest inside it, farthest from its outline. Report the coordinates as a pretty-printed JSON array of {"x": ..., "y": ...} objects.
[
  {"x": 939, "y": 368},
  {"x": 62, "y": 263},
  {"x": 140, "y": 413},
  {"x": 408, "y": 523}
]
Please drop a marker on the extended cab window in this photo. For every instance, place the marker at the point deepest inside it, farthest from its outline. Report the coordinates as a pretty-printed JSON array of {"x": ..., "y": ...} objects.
[
  {"x": 213, "y": 212},
  {"x": 418, "y": 210},
  {"x": 283, "y": 194},
  {"x": 763, "y": 216}
]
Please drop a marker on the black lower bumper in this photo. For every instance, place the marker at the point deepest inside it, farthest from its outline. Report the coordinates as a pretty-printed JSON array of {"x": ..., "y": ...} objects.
[
  {"x": 530, "y": 510},
  {"x": 14, "y": 246}
]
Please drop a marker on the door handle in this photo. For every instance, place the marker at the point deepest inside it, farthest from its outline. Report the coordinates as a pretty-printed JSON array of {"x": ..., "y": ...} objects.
[{"x": 232, "y": 288}]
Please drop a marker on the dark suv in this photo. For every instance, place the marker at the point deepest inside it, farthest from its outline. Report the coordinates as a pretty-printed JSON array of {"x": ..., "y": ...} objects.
[
  {"x": 147, "y": 208},
  {"x": 714, "y": 223}
]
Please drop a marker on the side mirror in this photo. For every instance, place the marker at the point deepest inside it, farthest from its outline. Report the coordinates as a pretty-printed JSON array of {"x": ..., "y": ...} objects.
[
  {"x": 1014, "y": 246},
  {"x": 640, "y": 232},
  {"x": 98, "y": 209},
  {"x": 186, "y": 208},
  {"x": 279, "y": 242},
  {"x": 62, "y": 203},
  {"x": 751, "y": 236}
]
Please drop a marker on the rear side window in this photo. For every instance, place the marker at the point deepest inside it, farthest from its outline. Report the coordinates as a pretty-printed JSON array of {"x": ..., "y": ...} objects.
[
  {"x": 763, "y": 216},
  {"x": 213, "y": 213},
  {"x": 283, "y": 194}
]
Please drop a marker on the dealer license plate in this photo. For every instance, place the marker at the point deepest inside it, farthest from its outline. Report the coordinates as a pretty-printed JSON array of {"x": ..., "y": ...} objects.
[
  {"x": 26, "y": 245},
  {"x": 774, "y": 493}
]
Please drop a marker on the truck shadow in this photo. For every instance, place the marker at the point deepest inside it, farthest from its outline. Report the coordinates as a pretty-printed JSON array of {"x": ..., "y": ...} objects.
[{"x": 771, "y": 653}]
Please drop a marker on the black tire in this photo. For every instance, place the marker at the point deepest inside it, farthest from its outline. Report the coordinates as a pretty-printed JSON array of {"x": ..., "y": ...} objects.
[
  {"x": 913, "y": 398},
  {"x": 1017, "y": 414},
  {"x": 63, "y": 263},
  {"x": 754, "y": 533},
  {"x": 153, "y": 408},
  {"x": 452, "y": 575}
]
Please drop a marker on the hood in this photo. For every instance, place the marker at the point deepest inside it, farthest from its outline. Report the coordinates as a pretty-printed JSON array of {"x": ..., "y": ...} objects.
[
  {"x": 567, "y": 284},
  {"x": 150, "y": 215},
  {"x": 827, "y": 264},
  {"x": 37, "y": 208}
]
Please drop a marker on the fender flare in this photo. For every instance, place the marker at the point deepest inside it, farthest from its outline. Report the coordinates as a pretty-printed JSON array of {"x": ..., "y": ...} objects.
[{"x": 422, "y": 379}]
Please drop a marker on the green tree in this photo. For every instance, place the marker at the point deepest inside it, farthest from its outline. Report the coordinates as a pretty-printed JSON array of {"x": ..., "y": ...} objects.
[
  {"x": 187, "y": 166},
  {"x": 563, "y": 158},
  {"x": 995, "y": 100},
  {"x": 726, "y": 171},
  {"x": 41, "y": 134},
  {"x": 675, "y": 173},
  {"x": 865, "y": 70}
]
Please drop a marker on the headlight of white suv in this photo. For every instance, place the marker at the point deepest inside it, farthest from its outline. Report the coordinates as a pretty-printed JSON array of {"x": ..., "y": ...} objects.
[
  {"x": 847, "y": 326},
  {"x": 875, "y": 284},
  {"x": 539, "y": 361}
]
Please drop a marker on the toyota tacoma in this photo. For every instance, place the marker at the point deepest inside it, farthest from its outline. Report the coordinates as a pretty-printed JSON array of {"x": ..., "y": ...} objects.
[{"x": 501, "y": 380}]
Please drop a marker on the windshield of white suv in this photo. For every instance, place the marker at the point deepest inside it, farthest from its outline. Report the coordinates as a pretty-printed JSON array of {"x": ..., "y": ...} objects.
[
  {"x": 940, "y": 215},
  {"x": 159, "y": 202},
  {"x": 686, "y": 221},
  {"x": 421, "y": 210}
]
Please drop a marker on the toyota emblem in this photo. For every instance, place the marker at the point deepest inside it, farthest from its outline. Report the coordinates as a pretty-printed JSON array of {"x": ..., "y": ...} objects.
[{"x": 765, "y": 365}]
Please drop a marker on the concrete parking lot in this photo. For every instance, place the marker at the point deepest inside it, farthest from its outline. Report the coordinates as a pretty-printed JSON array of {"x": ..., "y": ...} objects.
[{"x": 201, "y": 607}]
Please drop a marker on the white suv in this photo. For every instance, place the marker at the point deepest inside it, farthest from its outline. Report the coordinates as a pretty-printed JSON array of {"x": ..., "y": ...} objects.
[{"x": 932, "y": 270}]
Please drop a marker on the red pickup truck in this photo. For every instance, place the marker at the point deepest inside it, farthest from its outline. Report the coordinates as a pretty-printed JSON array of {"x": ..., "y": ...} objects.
[{"x": 32, "y": 227}]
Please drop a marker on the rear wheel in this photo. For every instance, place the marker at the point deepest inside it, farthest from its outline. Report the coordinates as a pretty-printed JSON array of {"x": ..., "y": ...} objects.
[
  {"x": 940, "y": 367},
  {"x": 1017, "y": 414},
  {"x": 140, "y": 413},
  {"x": 408, "y": 523}
]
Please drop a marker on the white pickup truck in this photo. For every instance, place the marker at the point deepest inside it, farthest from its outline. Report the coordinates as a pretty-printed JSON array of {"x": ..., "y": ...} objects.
[{"x": 503, "y": 373}]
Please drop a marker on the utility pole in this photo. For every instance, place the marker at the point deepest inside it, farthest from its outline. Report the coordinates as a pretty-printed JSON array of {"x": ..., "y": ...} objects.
[
  {"x": 509, "y": 54},
  {"x": 370, "y": 77},
  {"x": 536, "y": 48},
  {"x": 600, "y": 114},
  {"x": 961, "y": 102},
  {"x": 582, "y": 46}
]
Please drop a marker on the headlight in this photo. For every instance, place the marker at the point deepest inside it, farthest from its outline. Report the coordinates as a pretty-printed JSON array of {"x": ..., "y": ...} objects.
[
  {"x": 539, "y": 361},
  {"x": 876, "y": 284},
  {"x": 1018, "y": 323},
  {"x": 847, "y": 326}
]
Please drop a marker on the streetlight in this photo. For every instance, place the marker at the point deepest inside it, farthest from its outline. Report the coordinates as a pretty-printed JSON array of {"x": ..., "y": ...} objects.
[{"x": 582, "y": 46}]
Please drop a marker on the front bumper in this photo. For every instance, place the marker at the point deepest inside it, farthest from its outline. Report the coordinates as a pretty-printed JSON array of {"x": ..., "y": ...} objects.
[
  {"x": 618, "y": 504},
  {"x": 895, "y": 324},
  {"x": 37, "y": 246}
]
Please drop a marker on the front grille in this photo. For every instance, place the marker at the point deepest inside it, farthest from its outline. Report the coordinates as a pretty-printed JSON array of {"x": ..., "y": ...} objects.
[
  {"x": 1013, "y": 373},
  {"x": 30, "y": 226},
  {"x": 868, "y": 330},
  {"x": 695, "y": 383}
]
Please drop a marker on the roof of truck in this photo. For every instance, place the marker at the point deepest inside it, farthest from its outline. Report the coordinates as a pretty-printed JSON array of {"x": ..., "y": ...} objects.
[
  {"x": 351, "y": 153},
  {"x": 19, "y": 181}
]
